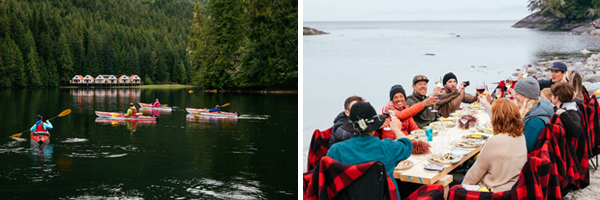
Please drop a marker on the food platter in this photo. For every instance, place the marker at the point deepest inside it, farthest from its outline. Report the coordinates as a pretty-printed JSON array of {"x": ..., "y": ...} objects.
[
  {"x": 405, "y": 164},
  {"x": 447, "y": 158},
  {"x": 467, "y": 143}
]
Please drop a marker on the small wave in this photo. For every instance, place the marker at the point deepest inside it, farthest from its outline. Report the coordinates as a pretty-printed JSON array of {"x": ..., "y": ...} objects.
[
  {"x": 254, "y": 116},
  {"x": 18, "y": 139},
  {"x": 73, "y": 140}
]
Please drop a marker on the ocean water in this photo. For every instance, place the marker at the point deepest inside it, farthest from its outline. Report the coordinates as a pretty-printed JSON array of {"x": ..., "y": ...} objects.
[{"x": 368, "y": 58}]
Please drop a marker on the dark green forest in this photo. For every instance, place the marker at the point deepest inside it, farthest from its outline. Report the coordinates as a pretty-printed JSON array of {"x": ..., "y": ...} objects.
[
  {"x": 566, "y": 9},
  {"x": 245, "y": 44}
]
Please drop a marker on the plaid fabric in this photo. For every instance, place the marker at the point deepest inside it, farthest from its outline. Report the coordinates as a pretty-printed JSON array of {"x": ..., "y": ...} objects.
[
  {"x": 428, "y": 192},
  {"x": 332, "y": 176},
  {"x": 319, "y": 145},
  {"x": 586, "y": 96}
]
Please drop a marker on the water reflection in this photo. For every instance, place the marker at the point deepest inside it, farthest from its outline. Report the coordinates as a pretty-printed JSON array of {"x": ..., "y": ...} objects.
[
  {"x": 154, "y": 112},
  {"x": 86, "y": 97},
  {"x": 42, "y": 169}
]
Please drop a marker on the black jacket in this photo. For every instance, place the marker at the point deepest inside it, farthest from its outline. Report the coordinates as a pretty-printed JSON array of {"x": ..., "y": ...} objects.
[{"x": 337, "y": 133}]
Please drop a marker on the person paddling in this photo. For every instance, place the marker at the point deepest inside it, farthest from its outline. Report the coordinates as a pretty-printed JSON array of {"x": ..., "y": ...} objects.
[
  {"x": 40, "y": 126},
  {"x": 216, "y": 109},
  {"x": 156, "y": 104},
  {"x": 131, "y": 111}
]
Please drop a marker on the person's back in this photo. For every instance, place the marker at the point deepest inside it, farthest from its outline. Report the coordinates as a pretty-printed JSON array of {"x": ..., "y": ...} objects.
[
  {"x": 131, "y": 111},
  {"x": 338, "y": 134},
  {"x": 41, "y": 126},
  {"x": 363, "y": 147},
  {"x": 216, "y": 109}
]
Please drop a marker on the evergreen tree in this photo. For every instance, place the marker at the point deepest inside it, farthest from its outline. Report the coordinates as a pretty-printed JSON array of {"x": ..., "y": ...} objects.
[
  {"x": 132, "y": 57},
  {"x": 65, "y": 59},
  {"x": 33, "y": 68}
]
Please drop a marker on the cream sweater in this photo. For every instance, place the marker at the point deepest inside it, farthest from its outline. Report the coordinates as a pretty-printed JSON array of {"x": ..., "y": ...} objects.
[{"x": 499, "y": 163}]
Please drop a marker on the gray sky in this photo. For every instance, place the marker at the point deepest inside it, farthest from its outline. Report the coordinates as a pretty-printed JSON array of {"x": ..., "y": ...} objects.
[{"x": 401, "y": 10}]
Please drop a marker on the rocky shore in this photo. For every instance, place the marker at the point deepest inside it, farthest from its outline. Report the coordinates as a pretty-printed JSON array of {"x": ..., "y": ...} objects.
[
  {"x": 312, "y": 31},
  {"x": 588, "y": 68},
  {"x": 537, "y": 21}
]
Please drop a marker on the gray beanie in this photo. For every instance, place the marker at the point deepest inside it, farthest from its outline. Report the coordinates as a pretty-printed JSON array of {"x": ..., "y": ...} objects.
[{"x": 528, "y": 87}]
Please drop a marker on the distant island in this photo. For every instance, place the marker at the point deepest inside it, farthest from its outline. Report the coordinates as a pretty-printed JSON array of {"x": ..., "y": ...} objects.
[{"x": 312, "y": 31}]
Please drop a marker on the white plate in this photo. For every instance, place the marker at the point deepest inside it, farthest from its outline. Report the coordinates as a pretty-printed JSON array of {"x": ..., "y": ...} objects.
[
  {"x": 460, "y": 152},
  {"x": 446, "y": 162},
  {"x": 476, "y": 144}
]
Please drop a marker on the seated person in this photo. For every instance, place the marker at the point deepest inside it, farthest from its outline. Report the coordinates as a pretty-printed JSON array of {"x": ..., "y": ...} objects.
[
  {"x": 156, "y": 104},
  {"x": 362, "y": 147},
  {"x": 567, "y": 109},
  {"x": 338, "y": 134},
  {"x": 495, "y": 168},
  {"x": 425, "y": 116},
  {"x": 575, "y": 80},
  {"x": 40, "y": 125},
  {"x": 451, "y": 97},
  {"x": 216, "y": 109},
  {"x": 402, "y": 112},
  {"x": 535, "y": 111},
  {"x": 131, "y": 111},
  {"x": 545, "y": 93}
]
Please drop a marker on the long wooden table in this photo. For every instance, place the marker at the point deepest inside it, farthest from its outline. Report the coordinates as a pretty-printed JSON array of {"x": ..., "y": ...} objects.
[{"x": 417, "y": 173}]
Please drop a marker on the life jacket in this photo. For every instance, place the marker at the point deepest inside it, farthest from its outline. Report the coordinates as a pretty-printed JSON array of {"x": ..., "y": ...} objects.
[
  {"x": 133, "y": 110},
  {"x": 40, "y": 128}
]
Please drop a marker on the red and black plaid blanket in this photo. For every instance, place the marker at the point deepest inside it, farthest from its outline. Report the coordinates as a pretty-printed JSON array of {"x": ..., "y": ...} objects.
[
  {"x": 537, "y": 180},
  {"x": 319, "y": 145},
  {"x": 330, "y": 177}
]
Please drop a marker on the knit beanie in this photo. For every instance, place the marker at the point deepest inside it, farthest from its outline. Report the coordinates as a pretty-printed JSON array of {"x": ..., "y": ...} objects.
[
  {"x": 395, "y": 89},
  {"x": 449, "y": 76},
  {"x": 528, "y": 87}
]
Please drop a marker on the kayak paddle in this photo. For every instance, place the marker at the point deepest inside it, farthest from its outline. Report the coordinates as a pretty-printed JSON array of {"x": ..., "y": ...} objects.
[{"x": 62, "y": 114}]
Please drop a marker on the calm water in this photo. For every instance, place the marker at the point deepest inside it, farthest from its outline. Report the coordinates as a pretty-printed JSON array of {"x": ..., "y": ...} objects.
[
  {"x": 368, "y": 58},
  {"x": 180, "y": 157}
]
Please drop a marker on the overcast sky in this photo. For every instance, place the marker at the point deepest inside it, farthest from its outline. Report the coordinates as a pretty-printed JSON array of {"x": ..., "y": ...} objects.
[{"x": 402, "y": 10}]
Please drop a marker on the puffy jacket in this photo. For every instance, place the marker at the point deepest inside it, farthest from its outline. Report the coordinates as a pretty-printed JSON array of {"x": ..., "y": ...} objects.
[
  {"x": 337, "y": 133},
  {"x": 405, "y": 116},
  {"x": 535, "y": 121},
  {"x": 449, "y": 101},
  {"x": 423, "y": 117},
  {"x": 45, "y": 126}
]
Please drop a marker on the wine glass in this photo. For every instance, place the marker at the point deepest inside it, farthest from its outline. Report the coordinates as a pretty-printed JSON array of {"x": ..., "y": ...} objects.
[
  {"x": 498, "y": 93},
  {"x": 480, "y": 87},
  {"x": 439, "y": 84},
  {"x": 508, "y": 82},
  {"x": 464, "y": 121},
  {"x": 524, "y": 72}
]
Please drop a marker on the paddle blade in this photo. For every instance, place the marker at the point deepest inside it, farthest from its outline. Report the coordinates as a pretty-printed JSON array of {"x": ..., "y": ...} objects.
[
  {"x": 197, "y": 113},
  {"x": 165, "y": 105},
  {"x": 16, "y": 135},
  {"x": 144, "y": 105},
  {"x": 63, "y": 113},
  {"x": 225, "y": 104}
]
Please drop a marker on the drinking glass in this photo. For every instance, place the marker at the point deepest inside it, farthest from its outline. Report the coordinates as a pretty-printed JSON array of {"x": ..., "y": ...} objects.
[
  {"x": 498, "y": 93},
  {"x": 439, "y": 84},
  {"x": 480, "y": 87}
]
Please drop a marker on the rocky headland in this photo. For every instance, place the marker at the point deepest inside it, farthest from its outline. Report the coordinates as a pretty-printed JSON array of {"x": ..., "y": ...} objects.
[
  {"x": 312, "y": 31},
  {"x": 587, "y": 26}
]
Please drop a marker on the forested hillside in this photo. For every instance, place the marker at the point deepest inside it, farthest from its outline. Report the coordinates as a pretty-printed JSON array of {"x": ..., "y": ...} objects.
[
  {"x": 566, "y": 9},
  {"x": 248, "y": 44},
  {"x": 245, "y": 44},
  {"x": 46, "y": 43}
]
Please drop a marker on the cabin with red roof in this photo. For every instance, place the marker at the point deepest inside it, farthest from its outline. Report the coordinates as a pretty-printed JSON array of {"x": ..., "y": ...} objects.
[
  {"x": 88, "y": 79},
  {"x": 78, "y": 79},
  {"x": 123, "y": 79},
  {"x": 135, "y": 79}
]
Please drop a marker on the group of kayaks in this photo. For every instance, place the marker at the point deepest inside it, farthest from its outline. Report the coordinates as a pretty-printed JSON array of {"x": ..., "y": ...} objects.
[
  {"x": 116, "y": 115},
  {"x": 42, "y": 137}
]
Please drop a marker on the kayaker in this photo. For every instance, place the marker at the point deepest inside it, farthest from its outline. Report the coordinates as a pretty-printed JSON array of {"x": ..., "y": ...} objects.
[
  {"x": 40, "y": 125},
  {"x": 216, "y": 109},
  {"x": 156, "y": 104},
  {"x": 131, "y": 111}
]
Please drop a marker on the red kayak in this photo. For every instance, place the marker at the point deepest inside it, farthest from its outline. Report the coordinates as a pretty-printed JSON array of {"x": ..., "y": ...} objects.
[
  {"x": 206, "y": 112},
  {"x": 40, "y": 137},
  {"x": 114, "y": 115}
]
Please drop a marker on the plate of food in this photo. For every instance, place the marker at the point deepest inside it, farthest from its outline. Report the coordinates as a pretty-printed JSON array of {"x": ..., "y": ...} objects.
[
  {"x": 469, "y": 143},
  {"x": 421, "y": 132},
  {"x": 405, "y": 164},
  {"x": 447, "y": 158}
]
